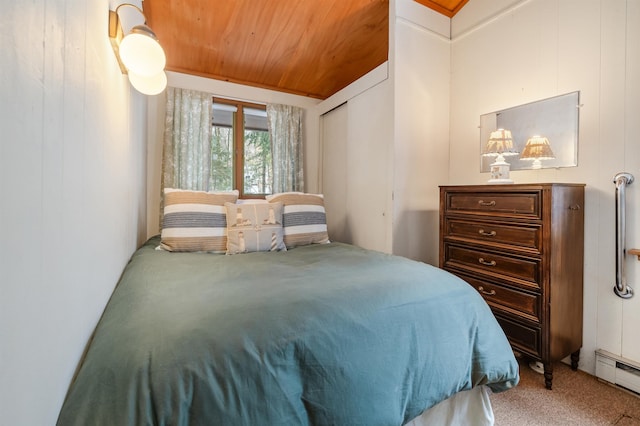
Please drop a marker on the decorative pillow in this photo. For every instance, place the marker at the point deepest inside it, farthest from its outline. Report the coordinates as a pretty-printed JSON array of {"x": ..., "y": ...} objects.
[
  {"x": 254, "y": 227},
  {"x": 195, "y": 220},
  {"x": 304, "y": 220}
]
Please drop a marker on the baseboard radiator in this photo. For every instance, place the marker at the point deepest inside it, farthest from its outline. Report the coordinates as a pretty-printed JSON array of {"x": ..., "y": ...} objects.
[{"x": 618, "y": 371}]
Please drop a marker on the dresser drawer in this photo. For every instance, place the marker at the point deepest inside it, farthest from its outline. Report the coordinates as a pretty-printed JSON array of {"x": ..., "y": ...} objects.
[
  {"x": 520, "y": 303},
  {"x": 522, "y": 237},
  {"x": 522, "y": 337},
  {"x": 514, "y": 204},
  {"x": 524, "y": 272}
]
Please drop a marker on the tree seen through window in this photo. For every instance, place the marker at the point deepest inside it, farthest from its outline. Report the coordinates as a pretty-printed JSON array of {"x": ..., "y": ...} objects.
[{"x": 240, "y": 159}]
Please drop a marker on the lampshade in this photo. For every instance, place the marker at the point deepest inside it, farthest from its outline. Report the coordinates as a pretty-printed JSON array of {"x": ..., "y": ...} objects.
[
  {"x": 141, "y": 53},
  {"x": 537, "y": 148},
  {"x": 500, "y": 142},
  {"x": 148, "y": 85}
]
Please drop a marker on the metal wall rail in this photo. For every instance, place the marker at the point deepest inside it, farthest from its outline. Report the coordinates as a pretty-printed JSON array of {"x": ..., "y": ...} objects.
[{"x": 621, "y": 288}]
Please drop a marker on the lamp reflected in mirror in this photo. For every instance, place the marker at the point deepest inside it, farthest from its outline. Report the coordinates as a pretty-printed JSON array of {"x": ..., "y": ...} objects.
[
  {"x": 499, "y": 145},
  {"x": 537, "y": 149},
  {"x": 555, "y": 118}
]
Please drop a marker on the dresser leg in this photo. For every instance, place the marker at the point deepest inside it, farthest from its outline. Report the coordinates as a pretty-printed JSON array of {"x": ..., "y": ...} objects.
[
  {"x": 548, "y": 375},
  {"x": 575, "y": 357}
]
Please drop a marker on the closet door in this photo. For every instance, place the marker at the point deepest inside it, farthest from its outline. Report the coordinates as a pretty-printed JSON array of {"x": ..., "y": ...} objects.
[
  {"x": 334, "y": 172},
  {"x": 356, "y": 157}
]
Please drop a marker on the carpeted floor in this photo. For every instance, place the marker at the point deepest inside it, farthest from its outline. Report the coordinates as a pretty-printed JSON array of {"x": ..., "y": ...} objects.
[{"x": 577, "y": 398}]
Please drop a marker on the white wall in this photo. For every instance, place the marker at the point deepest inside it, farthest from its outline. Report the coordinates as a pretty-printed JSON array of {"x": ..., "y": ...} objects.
[
  {"x": 506, "y": 53},
  {"x": 227, "y": 90},
  {"x": 395, "y": 137},
  {"x": 72, "y": 194},
  {"x": 421, "y": 77}
]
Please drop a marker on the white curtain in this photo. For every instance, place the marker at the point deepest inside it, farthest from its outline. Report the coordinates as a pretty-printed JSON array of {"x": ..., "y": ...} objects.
[
  {"x": 186, "y": 160},
  {"x": 286, "y": 133}
]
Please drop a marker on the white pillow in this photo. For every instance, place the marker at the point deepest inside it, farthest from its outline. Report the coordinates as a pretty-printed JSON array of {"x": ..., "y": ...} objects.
[
  {"x": 195, "y": 220},
  {"x": 304, "y": 219},
  {"x": 254, "y": 227}
]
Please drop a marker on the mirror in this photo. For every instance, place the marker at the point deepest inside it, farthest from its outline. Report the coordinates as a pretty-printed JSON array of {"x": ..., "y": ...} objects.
[{"x": 554, "y": 118}]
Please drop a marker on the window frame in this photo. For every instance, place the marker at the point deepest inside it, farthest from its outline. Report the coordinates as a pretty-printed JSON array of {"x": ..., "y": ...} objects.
[{"x": 238, "y": 143}]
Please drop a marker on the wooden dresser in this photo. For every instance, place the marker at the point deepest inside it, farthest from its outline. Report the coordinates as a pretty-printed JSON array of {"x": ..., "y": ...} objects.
[{"x": 521, "y": 246}]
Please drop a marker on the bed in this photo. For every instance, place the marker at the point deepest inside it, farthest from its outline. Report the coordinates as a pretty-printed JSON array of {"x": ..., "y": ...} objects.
[{"x": 316, "y": 334}]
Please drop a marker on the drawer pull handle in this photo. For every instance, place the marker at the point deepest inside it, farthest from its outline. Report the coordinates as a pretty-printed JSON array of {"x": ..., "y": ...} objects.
[
  {"x": 488, "y": 263},
  {"x": 487, "y": 203},
  {"x": 488, "y": 293},
  {"x": 487, "y": 234}
]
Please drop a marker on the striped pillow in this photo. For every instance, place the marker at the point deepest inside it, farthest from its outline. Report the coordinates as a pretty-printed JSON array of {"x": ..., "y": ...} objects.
[
  {"x": 254, "y": 227},
  {"x": 304, "y": 220},
  {"x": 195, "y": 220}
]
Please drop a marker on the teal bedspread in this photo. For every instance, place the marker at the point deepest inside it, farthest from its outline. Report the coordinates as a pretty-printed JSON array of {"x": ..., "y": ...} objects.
[{"x": 319, "y": 335}]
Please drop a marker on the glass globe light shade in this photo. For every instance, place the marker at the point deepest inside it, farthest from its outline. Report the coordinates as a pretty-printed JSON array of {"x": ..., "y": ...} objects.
[
  {"x": 148, "y": 85},
  {"x": 141, "y": 53}
]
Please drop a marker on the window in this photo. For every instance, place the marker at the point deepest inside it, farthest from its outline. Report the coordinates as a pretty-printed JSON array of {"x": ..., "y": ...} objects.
[{"x": 241, "y": 149}]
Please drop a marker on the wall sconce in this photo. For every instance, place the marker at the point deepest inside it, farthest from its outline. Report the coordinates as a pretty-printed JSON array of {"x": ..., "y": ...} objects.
[
  {"x": 138, "y": 53},
  {"x": 500, "y": 143},
  {"x": 536, "y": 149}
]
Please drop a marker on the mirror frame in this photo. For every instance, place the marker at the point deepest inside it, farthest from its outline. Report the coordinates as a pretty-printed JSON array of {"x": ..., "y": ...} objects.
[{"x": 556, "y": 118}]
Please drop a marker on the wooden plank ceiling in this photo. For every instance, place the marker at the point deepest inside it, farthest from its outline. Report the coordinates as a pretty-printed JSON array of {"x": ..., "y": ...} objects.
[{"x": 307, "y": 47}]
